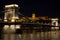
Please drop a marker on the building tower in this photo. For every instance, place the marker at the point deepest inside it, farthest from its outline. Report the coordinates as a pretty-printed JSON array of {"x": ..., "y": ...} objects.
[
  {"x": 11, "y": 12},
  {"x": 33, "y": 16}
]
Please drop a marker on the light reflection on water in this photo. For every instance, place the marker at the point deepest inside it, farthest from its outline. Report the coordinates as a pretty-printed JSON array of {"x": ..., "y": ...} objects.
[{"x": 52, "y": 35}]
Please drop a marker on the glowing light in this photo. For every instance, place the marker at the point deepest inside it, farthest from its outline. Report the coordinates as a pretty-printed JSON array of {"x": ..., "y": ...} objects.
[
  {"x": 6, "y": 27},
  {"x": 17, "y": 26},
  {"x": 56, "y": 27},
  {"x": 15, "y": 17},
  {"x": 33, "y": 16},
  {"x": 54, "y": 19},
  {"x": 5, "y": 20},
  {"x": 12, "y": 5},
  {"x": 12, "y": 20},
  {"x": 12, "y": 27},
  {"x": 52, "y": 27},
  {"x": 4, "y": 17}
]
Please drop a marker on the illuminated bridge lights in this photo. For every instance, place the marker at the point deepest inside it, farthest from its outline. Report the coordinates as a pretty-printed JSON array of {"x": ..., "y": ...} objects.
[
  {"x": 11, "y": 18},
  {"x": 33, "y": 24},
  {"x": 12, "y": 5}
]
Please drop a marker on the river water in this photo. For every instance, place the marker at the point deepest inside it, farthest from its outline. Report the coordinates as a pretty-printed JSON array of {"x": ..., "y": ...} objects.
[{"x": 50, "y": 35}]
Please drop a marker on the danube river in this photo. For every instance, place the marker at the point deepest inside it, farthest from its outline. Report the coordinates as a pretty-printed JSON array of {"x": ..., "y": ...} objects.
[{"x": 50, "y": 35}]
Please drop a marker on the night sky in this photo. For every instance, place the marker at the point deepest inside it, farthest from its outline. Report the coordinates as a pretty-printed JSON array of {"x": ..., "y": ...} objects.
[{"x": 39, "y": 7}]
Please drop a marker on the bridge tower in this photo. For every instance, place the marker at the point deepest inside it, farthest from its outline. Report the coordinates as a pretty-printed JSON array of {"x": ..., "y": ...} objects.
[
  {"x": 55, "y": 23},
  {"x": 11, "y": 12}
]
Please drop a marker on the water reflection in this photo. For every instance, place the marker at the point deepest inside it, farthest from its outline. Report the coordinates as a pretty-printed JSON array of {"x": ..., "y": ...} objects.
[{"x": 51, "y": 35}]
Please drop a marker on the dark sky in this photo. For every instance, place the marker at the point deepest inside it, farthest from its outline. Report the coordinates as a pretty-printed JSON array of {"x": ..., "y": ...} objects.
[{"x": 39, "y": 7}]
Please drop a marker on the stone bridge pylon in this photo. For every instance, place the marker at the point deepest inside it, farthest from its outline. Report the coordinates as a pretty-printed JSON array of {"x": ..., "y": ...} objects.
[{"x": 11, "y": 14}]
